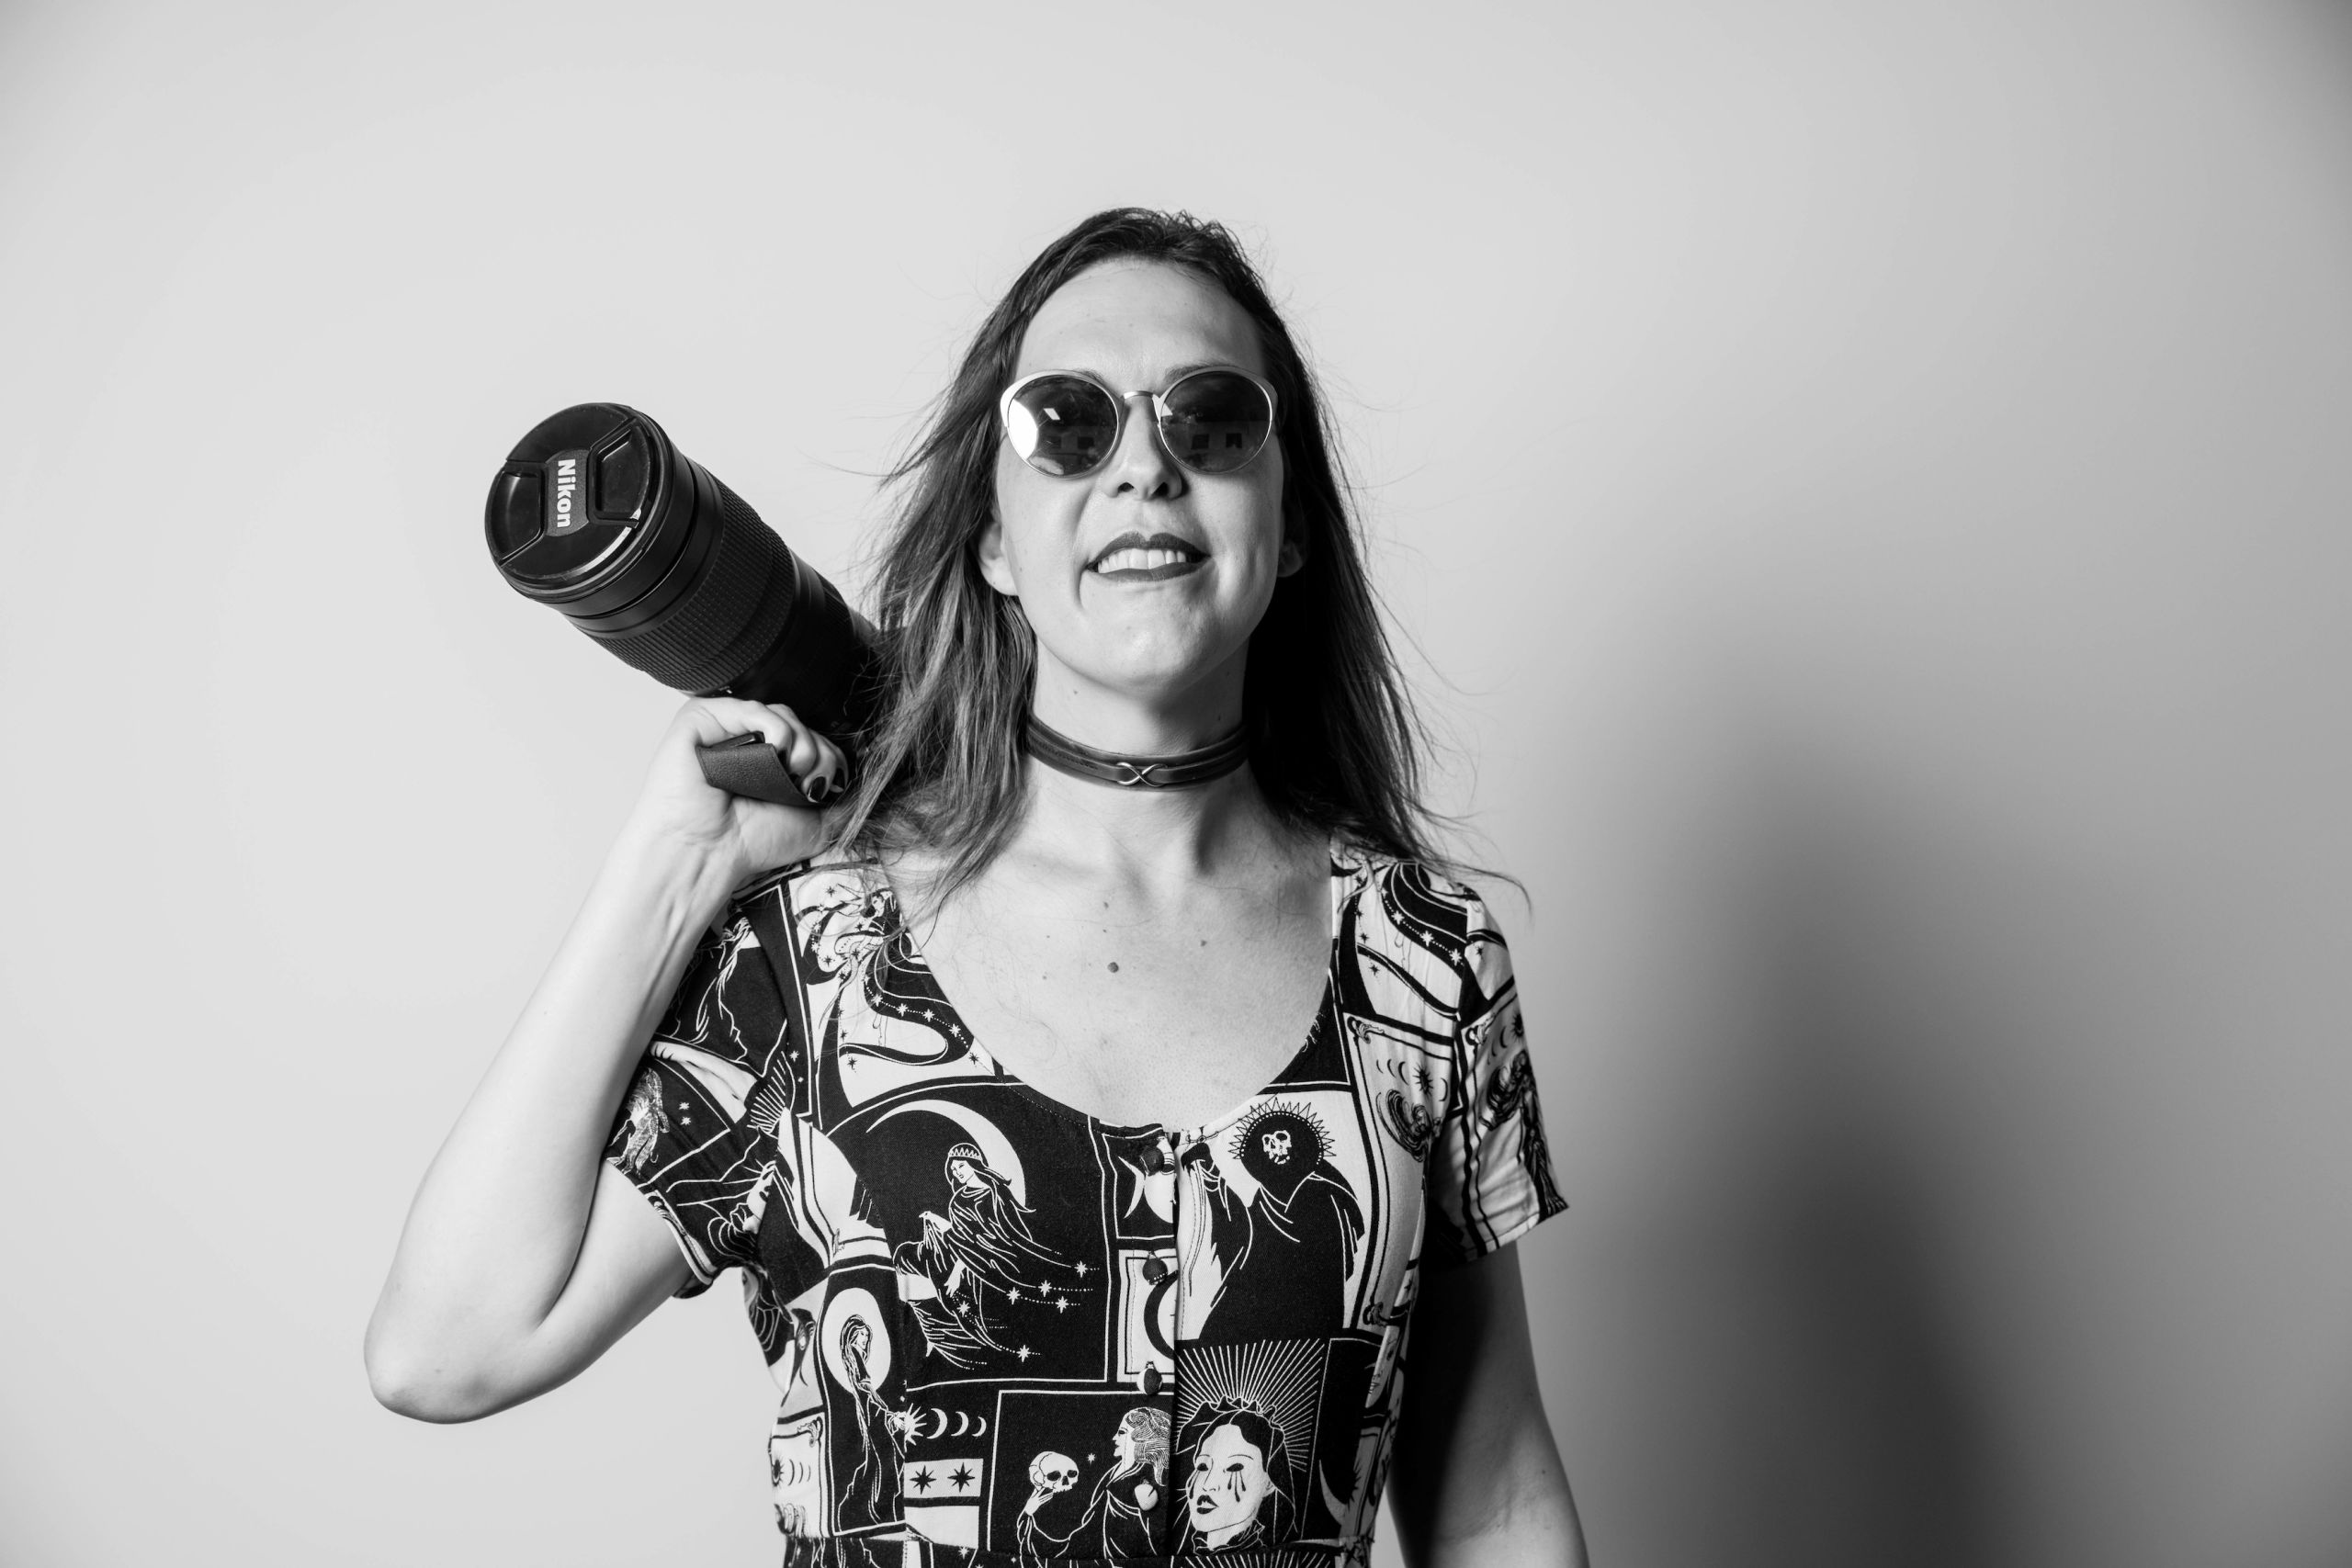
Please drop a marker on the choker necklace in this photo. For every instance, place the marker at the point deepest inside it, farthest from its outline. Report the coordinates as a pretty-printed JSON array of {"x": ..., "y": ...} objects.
[{"x": 1174, "y": 771}]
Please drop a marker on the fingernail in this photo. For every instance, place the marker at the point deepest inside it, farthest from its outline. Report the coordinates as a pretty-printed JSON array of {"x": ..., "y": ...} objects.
[{"x": 818, "y": 790}]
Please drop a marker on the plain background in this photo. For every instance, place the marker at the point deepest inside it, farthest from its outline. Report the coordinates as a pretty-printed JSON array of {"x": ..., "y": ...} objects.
[{"x": 1868, "y": 484}]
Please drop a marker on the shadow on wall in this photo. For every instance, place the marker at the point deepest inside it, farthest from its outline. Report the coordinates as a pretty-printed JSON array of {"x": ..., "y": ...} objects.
[
  {"x": 1791, "y": 1381},
  {"x": 1825, "y": 1414}
]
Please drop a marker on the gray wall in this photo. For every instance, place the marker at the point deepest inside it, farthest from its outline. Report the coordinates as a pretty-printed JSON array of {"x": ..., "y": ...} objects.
[{"x": 1874, "y": 480}]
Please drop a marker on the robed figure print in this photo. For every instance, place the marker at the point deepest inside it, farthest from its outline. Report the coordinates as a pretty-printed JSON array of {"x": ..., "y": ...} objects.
[
  {"x": 1271, "y": 1239},
  {"x": 873, "y": 1485},
  {"x": 974, "y": 1260},
  {"x": 1122, "y": 1515}
]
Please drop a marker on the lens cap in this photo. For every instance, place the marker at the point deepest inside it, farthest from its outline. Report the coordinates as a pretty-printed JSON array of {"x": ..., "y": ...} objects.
[{"x": 576, "y": 508}]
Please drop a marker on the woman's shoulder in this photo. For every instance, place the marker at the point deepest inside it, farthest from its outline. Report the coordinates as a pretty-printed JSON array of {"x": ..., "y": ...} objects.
[
  {"x": 1421, "y": 916},
  {"x": 813, "y": 903},
  {"x": 1438, "y": 890},
  {"x": 797, "y": 880}
]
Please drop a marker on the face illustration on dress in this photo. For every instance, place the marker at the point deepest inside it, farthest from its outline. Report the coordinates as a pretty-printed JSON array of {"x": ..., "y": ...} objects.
[{"x": 1229, "y": 1484}]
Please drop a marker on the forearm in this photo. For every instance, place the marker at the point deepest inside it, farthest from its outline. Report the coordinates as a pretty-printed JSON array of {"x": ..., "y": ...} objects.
[
  {"x": 498, "y": 1223},
  {"x": 1477, "y": 1478},
  {"x": 1527, "y": 1520}
]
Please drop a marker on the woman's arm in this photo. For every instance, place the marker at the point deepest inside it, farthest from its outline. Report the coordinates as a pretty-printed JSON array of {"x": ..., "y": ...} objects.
[
  {"x": 1476, "y": 1482},
  {"x": 524, "y": 1257}
]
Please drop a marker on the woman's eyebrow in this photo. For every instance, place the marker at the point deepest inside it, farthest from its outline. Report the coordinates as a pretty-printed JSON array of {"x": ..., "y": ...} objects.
[{"x": 1169, "y": 377}]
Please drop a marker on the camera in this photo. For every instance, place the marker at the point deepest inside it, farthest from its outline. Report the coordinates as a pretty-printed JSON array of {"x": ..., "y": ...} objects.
[{"x": 597, "y": 513}]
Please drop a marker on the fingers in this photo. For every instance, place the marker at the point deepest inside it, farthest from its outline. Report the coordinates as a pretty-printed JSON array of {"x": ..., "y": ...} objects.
[
  {"x": 814, "y": 762},
  {"x": 827, "y": 774},
  {"x": 714, "y": 719}
]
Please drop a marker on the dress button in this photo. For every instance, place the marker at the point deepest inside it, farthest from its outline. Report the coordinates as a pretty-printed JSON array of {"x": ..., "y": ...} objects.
[
  {"x": 1151, "y": 1381},
  {"x": 1155, "y": 1158},
  {"x": 1155, "y": 1269}
]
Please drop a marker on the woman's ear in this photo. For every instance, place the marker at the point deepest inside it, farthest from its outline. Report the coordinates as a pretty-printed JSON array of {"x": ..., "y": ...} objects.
[
  {"x": 1292, "y": 555},
  {"x": 988, "y": 550}
]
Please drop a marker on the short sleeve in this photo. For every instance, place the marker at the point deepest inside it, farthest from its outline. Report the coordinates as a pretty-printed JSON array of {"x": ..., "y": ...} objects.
[
  {"x": 688, "y": 1135},
  {"x": 1490, "y": 1175}
]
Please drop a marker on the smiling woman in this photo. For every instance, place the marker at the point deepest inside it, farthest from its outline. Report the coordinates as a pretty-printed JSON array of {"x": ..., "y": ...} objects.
[{"x": 1116, "y": 1073}]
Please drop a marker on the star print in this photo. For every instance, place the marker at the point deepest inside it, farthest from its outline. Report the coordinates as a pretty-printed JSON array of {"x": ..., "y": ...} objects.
[
  {"x": 921, "y": 1480},
  {"x": 1081, "y": 1269},
  {"x": 929, "y": 1014},
  {"x": 1062, "y": 1305},
  {"x": 961, "y": 1477},
  {"x": 1024, "y": 1352},
  {"x": 1013, "y": 1291}
]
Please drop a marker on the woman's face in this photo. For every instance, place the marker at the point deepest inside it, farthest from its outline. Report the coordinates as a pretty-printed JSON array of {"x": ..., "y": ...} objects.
[
  {"x": 1228, "y": 1482},
  {"x": 1136, "y": 326}
]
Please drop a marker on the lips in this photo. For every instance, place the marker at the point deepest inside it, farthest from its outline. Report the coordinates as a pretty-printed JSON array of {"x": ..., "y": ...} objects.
[{"x": 1148, "y": 558}]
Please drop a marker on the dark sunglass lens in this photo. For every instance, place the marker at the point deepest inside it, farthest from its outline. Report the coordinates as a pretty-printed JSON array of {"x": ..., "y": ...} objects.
[
  {"x": 1216, "y": 421},
  {"x": 1062, "y": 425}
]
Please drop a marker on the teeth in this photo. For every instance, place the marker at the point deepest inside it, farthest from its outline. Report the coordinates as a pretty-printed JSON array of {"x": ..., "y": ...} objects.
[{"x": 1140, "y": 559}]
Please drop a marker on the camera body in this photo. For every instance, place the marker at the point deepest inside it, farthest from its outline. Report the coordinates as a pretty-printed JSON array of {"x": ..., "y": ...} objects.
[{"x": 597, "y": 515}]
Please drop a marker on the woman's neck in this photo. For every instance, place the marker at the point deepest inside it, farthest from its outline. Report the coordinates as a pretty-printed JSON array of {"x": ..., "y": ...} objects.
[
  {"x": 1158, "y": 724},
  {"x": 1134, "y": 847}
]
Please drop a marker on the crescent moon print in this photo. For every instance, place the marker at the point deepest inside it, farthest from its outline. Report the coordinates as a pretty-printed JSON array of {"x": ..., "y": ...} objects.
[
  {"x": 1007, "y": 1330},
  {"x": 976, "y": 1257},
  {"x": 966, "y": 1425},
  {"x": 993, "y": 1145}
]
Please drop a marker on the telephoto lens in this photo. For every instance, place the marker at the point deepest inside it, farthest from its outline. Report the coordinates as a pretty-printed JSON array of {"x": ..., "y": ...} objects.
[{"x": 598, "y": 515}]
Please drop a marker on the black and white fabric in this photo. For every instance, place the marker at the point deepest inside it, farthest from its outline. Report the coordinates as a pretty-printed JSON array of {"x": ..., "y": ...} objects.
[{"x": 1008, "y": 1333}]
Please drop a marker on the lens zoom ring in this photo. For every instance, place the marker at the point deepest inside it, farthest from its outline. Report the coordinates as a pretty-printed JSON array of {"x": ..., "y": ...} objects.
[{"x": 726, "y": 620}]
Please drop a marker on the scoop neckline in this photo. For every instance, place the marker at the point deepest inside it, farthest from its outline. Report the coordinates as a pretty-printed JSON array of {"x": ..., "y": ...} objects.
[{"x": 1335, "y": 877}]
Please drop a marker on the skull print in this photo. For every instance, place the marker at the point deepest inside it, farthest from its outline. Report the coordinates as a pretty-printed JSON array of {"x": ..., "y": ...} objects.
[{"x": 1051, "y": 1473}]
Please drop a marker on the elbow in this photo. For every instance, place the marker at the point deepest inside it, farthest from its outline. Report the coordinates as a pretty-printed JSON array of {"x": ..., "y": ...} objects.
[{"x": 414, "y": 1379}]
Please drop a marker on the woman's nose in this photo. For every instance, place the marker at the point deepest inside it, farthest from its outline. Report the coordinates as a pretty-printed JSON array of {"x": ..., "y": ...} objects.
[{"x": 1141, "y": 467}]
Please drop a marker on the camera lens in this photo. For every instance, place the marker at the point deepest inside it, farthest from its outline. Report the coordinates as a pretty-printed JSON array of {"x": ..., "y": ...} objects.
[{"x": 596, "y": 514}]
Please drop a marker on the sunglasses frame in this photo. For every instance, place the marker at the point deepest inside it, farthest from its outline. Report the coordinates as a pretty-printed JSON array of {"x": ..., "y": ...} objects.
[{"x": 1159, "y": 416}]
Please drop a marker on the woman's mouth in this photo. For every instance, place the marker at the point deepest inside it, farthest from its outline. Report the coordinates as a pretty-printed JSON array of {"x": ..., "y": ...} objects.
[{"x": 1132, "y": 558}]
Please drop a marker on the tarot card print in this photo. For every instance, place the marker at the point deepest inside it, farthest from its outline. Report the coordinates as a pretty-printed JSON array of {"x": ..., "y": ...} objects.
[
  {"x": 1409, "y": 1089},
  {"x": 1276, "y": 1222},
  {"x": 1246, "y": 1439},
  {"x": 996, "y": 1270},
  {"x": 1147, "y": 1283},
  {"x": 799, "y": 1475},
  {"x": 1081, "y": 1475}
]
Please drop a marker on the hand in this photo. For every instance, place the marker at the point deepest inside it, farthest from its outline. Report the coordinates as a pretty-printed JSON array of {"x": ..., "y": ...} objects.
[{"x": 744, "y": 837}]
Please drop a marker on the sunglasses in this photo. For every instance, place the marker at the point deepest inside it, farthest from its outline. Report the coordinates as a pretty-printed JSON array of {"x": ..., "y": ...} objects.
[{"x": 1064, "y": 422}]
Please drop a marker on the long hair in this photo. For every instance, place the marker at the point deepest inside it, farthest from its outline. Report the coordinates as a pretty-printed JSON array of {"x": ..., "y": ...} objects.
[
  {"x": 1148, "y": 1424},
  {"x": 1335, "y": 743}
]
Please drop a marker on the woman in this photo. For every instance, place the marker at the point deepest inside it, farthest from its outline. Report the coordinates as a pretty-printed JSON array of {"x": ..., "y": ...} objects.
[
  {"x": 1237, "y": 1497},
  {"x": 1142, "y": 813}
]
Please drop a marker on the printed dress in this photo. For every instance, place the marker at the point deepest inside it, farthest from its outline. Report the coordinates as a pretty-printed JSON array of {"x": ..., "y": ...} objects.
[{"x": 1007, "y": 1333}]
